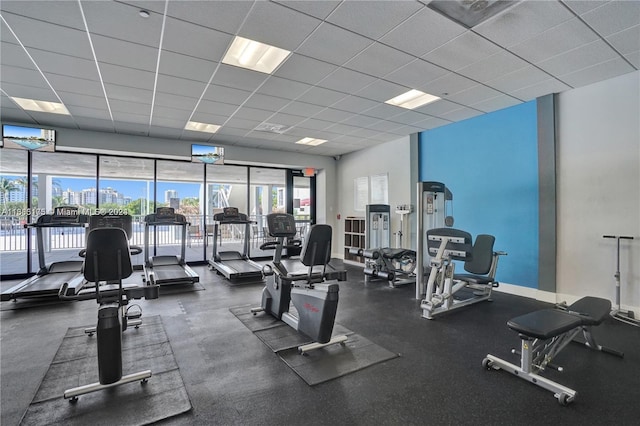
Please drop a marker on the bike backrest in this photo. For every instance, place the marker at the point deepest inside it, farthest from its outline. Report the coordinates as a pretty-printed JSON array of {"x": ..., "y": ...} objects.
[
  {"x": 482, "y": 257},
  {"x": 317, "y": 246},
  {"x": 107, "y": 255}
]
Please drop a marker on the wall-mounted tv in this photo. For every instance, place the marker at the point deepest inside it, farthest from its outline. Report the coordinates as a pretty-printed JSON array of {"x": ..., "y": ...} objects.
[
  {"x": 207, "y": 154},
  {"x": 29, "y": 138}
]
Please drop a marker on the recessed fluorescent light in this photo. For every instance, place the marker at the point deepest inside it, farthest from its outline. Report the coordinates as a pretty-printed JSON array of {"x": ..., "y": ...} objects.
[
  {"x": 311, "y": 141},
  {"x": 254, "y": 55},
  {"x": 412, "y": 99},
  {"x": 41, "y": 106},
  {"x": 201, "y": 127}
]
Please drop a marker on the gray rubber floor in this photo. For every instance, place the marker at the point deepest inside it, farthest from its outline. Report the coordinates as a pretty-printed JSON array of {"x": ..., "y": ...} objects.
[{"x": 233, "y": 378}]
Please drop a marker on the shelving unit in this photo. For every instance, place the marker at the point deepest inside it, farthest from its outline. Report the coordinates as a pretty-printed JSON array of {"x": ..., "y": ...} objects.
[{"x": 354, "y": 237}]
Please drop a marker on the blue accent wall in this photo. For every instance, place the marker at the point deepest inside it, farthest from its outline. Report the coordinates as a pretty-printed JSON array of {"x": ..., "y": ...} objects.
[{"x": 490, "y": 164}]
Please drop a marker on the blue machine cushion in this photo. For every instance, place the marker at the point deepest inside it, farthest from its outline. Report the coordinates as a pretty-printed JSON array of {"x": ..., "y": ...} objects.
[
  {"x": 592, "y": 310},
  {"x": 544, "y": 324}
]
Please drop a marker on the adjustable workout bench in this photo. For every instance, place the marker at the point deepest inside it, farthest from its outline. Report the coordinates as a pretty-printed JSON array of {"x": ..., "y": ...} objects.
[{"x": 545, "y": 333}]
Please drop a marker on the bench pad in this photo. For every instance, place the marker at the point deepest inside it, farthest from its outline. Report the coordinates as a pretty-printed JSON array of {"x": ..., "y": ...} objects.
[
  {"x": 592, "y": 310},
  {"x": 544, "y": 324}
]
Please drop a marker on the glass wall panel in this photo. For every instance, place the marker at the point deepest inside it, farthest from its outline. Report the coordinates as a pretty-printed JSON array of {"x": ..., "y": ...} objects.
[
  {"x": 61, "y": 179},
  {"x": 302, "y": 202},
  {"x": 267, "y": 194},
  {"x": 126, "y": 186},
  {"x": 226, "y": 187},
  {"x": 181, "y": 185},
  {"x": 13, "y": 211}
]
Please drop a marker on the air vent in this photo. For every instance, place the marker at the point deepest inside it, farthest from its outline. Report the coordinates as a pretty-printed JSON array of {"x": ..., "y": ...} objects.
[{"x": 272, "y": 128}]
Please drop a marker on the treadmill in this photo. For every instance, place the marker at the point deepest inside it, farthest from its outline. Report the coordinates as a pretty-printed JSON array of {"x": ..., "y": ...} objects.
[
  {"x": 49, "y": 278},
  {"x": 233, "y": 264},
  {"x": 165, "y": 270}
]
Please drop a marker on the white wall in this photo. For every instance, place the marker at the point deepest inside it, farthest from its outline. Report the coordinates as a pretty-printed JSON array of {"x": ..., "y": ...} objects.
[
  {"x": 393, "y": 158},
  {"x": 598, "y": 189}
]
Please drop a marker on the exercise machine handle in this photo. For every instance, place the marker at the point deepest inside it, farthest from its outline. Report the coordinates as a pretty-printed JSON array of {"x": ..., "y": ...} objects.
[{"x": 623, "y": 237}]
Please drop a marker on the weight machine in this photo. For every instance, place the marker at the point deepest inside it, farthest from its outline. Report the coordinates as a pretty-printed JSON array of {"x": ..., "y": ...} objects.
[{"x": 617, "y": 313}]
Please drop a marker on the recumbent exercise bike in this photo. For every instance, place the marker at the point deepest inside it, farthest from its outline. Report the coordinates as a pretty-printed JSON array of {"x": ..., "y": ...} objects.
[{"x": 313, "y": 292}]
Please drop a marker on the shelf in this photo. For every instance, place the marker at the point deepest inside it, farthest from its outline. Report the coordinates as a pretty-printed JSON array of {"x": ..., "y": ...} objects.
[{"x": 354, "y": 228}]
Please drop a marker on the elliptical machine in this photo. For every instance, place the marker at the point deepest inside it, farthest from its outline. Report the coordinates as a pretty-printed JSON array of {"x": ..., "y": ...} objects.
[
  {"x": 108, "y": 259},
  {"x": 313, "y": 292}
]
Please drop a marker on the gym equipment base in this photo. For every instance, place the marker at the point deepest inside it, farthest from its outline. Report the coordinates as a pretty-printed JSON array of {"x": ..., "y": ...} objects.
[
  {"x": 163, "y": 396},
  {"x": 318, "y": 366}
]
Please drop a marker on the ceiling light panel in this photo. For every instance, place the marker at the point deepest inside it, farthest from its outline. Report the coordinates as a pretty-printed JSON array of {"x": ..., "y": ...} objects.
[
  {"x": 412, "y": 99},
  {"x": 201, "y": 127},
  {"x": 41, "y": 106},
  {"x": 311, "y": 141},
  {"x": 253, "y": 55}
]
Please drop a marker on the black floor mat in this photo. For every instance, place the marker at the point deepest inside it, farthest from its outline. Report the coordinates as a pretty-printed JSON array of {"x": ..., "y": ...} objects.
[
  {"x": 320, "y": 365},
  {"x": 75, "y": 364}
]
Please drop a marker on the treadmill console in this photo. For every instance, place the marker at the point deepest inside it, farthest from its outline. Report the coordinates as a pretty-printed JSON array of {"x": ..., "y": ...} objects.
[
  {"x": 281, "y": 225},
  {"x": 230, "y": 215},
  {"x": 64, "y": 215},
  {"x": 165, "y": 214},
  {"x": 122, "y": 221}
]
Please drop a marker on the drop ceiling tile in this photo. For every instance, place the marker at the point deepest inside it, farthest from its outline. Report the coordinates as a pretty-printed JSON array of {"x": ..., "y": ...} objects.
[
  {"x": 493, "y": 66},
  {"x": 50, "y": 62},
  {"x": 626, "y": 41},
  {"x": 613, "y": 17},
  {"x": 474, "y": 95},
  {"x": 303, "y": 69},
  {"x": 60, "y": 13},
  {"x": 14, "y": 55},
  {"x": 432, "y": 123},
  {"x": 438, "y": 108},
  {"x": 59, "y": 120},
  {"x": 360, "y": 121},
  {"x": 129, "y": 25},
  {"x": 160, "y": 111},
  {"x": 83, "y": 112},
  {"x": 546, "y": 87},
  {"x": 254, "y": 114},
  {"x": 447, "y": 85},
  {"x": 215, "y": 108},
  {"x": 241, "y": 123},
  {"x": 27, "y": 77},
  {"x": 174, "y": 101},
  {"x": 230, "y": 131},
  {"x": 383, "y": 111},
  {"x": 226, "y": 16},
  {"x": 364, "y": 133},
  {"x": 124, "y": 76},
  {"x": 332, "y": 44},
  {"x": 378, "y": 60},
  {"x": 187, "y": 67},
  {"x": 333, "y": 115},
  {"x": 29, "y": 92},
  {"x": 354, "y": 104},
  {"x": 277, "y": 25},
  {"x": 382, "y": 91},
  {"x": 179, "y": 86},
  {"x": 342, "y": 129},
  {"x": 582, "y": 6},
  {"x": 523, "y": 21},
  {"x": 582, "y": 57},
  {"x": 372, "y": 19},
  {"x": 75, "y": 85},
  {"x": 597, "y": 72},
  {"x": 496, "y": 103},
  {"x": 411, "y": 37},
  {"x": 203, "y": 43},
  {"x": 58, "y": 39},
  {"x": 226, "y": 95},
  {"x": 132, "y": 108},
  {"x": 633, "y": 58},
  {"x": 286, "y": 119},
  {"x": 317, "y": 9},
  {"x": 408, "y": 117},
  {"x": 119, "y": 52},
  {"x": 238, "y": 78},
  {"x": 346, "y": 80},
  {"x": 321, "y": 96},
  {"x": 168, "y": 123},
  {"x": 461, "y": 51},
  {"x": 518, "y": 79},
  {"x": 268, "y": 103},
  {"x": 302, "y": 108},
  {"x": 384, "y": 126},
  {"x": 130, "y": 94},
  {"x": 95, "y": 124},
  {"x": 283, "y": 88},
  {"x": 562, "y": 38},
  {"x": 314, "y": 124},
  {"x": 416, "y": 73},
  {"x": 79, "y": 100},
  {"x": 407, "y": 130}
]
